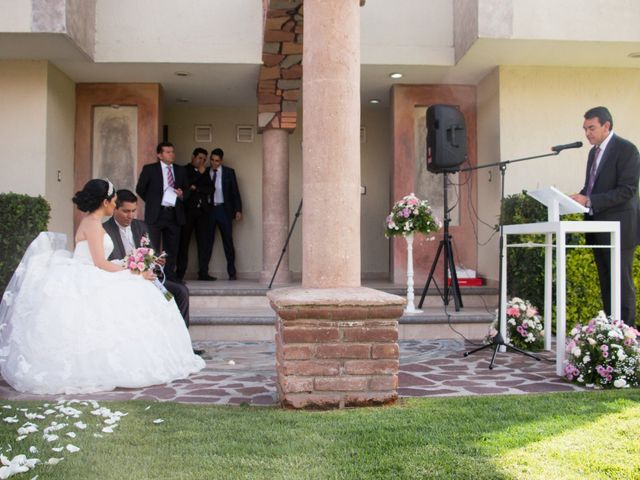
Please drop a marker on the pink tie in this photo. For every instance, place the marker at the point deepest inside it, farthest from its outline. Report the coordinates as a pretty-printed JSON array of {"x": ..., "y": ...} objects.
[
  {"x": 592, "y": 172},
  {"x": 170, "y": 179}
]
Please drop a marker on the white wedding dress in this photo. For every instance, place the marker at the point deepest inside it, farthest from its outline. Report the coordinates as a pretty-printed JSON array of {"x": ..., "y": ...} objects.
[{"x": 67, "y": 326}]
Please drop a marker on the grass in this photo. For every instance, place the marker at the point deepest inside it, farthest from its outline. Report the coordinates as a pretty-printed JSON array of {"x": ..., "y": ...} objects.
[{"x": 586, "y": 435}]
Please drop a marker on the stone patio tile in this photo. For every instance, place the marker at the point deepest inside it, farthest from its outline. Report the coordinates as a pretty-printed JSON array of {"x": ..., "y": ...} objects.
[
  {"x": 486, "y": 390},
  {"x": 210, "y": 392},
  {"x": 544, "y": 387},
  {"x": 405, "y": 379}
]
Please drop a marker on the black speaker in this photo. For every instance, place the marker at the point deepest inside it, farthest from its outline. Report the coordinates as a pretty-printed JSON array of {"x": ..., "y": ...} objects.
[{"x": 446, "y": 139}]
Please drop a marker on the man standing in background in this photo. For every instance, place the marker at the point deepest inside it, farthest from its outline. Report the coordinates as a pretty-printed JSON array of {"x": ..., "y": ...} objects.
[
  {"x": 197, "y": 211},
  {"x": 610, "y": 193},
  {"x": 227, "y": 207},
  {"x": 162, "y": 185}
]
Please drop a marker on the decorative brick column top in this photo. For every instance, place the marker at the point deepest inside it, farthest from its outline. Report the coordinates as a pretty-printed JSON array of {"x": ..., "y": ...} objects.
[{"x": 335, "y": 347}]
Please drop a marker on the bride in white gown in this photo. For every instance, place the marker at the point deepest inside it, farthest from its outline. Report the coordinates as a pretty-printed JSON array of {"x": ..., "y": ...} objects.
[{"x": 77, "y": 323}]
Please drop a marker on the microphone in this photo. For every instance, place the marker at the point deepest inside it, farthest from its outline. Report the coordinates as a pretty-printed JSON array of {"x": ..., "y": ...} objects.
[{"x": 559, "y": 148}]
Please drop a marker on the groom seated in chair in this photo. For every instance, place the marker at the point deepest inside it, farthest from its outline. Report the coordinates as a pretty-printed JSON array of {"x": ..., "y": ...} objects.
[{"x": 126, "y": 231}]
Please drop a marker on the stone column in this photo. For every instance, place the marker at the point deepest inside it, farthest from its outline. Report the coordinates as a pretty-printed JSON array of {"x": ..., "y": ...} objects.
[
  {"x": 275, "y": 204},
  {"x": 336, "y": 342}
]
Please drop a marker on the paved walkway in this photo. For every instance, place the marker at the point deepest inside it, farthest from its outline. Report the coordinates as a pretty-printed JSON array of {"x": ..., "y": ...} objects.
[{"x": 244, "y": 373}]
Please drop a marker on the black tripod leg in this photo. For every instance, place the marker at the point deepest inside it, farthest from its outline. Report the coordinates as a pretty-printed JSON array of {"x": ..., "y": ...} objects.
[
  {"x": 430, "y": 277},
  {"x": 493, "y": 357},
  {"x": 470, "y": 352},
  {"x": 286, "y": 243},
  {"x": 455, "y": 286},
  {"x": 516, "y": 349}
]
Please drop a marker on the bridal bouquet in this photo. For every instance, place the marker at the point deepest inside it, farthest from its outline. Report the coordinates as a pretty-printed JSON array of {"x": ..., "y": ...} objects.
[
  {"x": 410, "y": 215},
  {"x": 603, "y": 354},
  {"x": 144, "y": 259}
]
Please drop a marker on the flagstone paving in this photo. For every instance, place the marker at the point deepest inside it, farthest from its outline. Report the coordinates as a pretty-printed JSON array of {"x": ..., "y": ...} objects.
[{"x": 239, "y": 373}]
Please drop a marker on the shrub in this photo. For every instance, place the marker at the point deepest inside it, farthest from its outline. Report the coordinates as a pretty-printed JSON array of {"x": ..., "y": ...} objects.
[
  {"x": 525, "y": 266},
  {"x": 21, "y": 219}
]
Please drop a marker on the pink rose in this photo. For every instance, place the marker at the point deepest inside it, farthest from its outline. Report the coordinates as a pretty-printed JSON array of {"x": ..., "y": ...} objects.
[{"x": 141, "y": 266}]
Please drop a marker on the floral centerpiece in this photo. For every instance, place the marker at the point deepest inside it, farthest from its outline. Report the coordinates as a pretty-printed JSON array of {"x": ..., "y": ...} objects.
[
  {"x": 524, "y": 325},
  {"x": 144, "y": 259},
  {"x": 603, "y": 354},
  {"x": 411, "y": 215}
]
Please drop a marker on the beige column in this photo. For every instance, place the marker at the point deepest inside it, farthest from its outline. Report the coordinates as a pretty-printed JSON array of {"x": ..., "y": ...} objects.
[
  {"x": 275, "y": 204},
  {"x": 331, "y": 144}
]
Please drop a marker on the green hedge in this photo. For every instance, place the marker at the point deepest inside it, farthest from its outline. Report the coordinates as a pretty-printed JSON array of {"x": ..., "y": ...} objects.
[
  {"x": 525, "y": 266},
  {"x": 21, "y": 219}
]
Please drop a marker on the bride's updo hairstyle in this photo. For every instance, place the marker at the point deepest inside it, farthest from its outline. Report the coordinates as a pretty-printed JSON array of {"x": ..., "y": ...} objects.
[{"x": 93, "y": 194}]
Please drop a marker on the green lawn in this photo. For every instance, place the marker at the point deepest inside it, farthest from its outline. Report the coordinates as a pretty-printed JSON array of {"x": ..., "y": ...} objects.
[{"x": 552, "y": 436}]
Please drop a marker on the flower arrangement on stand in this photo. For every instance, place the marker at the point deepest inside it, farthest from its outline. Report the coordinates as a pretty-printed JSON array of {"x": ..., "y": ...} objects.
[
  {"x": 408, "y": 216},
  {"x": 603, "y": 354},
  {"x": 144, "y": 259},
  {"x": 524, "y": 325}
]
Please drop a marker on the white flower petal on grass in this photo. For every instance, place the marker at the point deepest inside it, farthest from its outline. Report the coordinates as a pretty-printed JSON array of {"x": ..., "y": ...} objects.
[
  {"x": 107, "y": 430},
  {"x": 72, "y": 448},
  {"x": 158, "y": 421},
  {"x": 111, "y": 420},
  {"x": 71, "y": 434},
  {"x": 8, "y": 407},
  {"x": 49, "y": 437},
  {"x": 35, "y": 478},
  {"x": 97, "y": 435},
  {"x": 18, "y": 464},
  {"x": 80, "y": 425},
  {"x": 54, "y": 461},
  {"x": 11, "y": 419},
  {"x": 231, "y": 362},
  {"x": 49, "y": 411},
  {"x": 27, "y": 428},
  {"x": 57, "y": 449},
  {"x": 148, "y": 407},
  {"x": 34, "y": 416},
  {"x": 20, "y": 438},
  {"x": 33, "y": 449}
]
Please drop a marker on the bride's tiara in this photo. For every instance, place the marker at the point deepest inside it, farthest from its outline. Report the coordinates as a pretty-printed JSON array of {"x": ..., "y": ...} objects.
[{"x": 111, "y": 188}]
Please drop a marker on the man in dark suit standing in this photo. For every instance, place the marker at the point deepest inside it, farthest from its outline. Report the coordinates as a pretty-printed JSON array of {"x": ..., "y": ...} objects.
[
  {"x": 227, "y": 207},
  {"x": 610, "y": 193},
  {"x": 197, "y": 211},
  {"x": 161, "y": 185}
]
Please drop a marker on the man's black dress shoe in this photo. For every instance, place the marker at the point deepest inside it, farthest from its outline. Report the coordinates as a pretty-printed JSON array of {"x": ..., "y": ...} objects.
[
  {"x": 233, "y": 277},
  {"x": 197, "y": 351},
  {"x": 206, "y": 278}
]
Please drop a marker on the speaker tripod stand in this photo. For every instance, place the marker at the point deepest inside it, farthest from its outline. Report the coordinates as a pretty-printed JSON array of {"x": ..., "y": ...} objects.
[{"x": 449, "y": 263}]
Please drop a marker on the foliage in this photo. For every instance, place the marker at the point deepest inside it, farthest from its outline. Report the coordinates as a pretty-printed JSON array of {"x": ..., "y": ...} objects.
[
  {"x": 525, "y": 266},
  {"x": 539, "y": 436},
  {"x": 410, "y": 215},
  {"x": 22, "y": 218},
  {"x": 603, "y": 354}
]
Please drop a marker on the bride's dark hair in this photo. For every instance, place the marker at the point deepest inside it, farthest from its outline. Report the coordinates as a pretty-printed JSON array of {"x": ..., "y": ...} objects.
[{"x": 93, "y": 194}]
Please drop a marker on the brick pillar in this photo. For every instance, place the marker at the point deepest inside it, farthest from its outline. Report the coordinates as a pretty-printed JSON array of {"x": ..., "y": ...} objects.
[
  {"x": 336, "y": 348},
  {"x": 275, "y": 204}
]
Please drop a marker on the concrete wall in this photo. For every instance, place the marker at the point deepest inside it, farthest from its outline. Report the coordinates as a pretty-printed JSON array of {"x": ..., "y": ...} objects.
[
  {"x": 61, "y": 108},
  {"x": 16, "y": 16},
  {"x": 246, "y": 159},
  {"x": 23, "y": 96},
  {"x": 536, "y": 108}
]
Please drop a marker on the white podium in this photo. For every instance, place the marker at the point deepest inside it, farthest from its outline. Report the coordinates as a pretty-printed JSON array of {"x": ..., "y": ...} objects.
[{"x": 558, "y": 203}]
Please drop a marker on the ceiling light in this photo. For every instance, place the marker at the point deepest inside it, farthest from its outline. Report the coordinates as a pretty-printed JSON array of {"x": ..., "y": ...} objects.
[
  {"x": 182, "y": 73},
  {"x": 634, "y": 55},
  {"x": 396, "y": 75},
  {"x": 374, "y": 101}
]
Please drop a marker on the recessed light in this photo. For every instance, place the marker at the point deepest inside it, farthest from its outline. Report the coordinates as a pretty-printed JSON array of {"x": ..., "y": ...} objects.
[
  {"x": 182, "y": 73},
  {"x": 396, "y": 75},
  {"x": 182, "y": 100},
  {"x": 634, "y": 55},
  {"x": 374, "y": 101}
]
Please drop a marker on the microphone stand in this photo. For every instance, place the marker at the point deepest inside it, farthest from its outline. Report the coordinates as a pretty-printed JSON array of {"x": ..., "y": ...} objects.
[{"x": 498, "y": 341}]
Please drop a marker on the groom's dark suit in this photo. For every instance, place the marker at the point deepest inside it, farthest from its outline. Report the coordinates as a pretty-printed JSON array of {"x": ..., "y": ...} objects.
[
  {"x": 139, "y": 229},
  {"x": 615, "y": 198}
]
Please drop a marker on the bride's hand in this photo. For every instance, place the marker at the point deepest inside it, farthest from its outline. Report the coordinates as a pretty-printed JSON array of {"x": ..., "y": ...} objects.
[{"x": 149, "y": 275}]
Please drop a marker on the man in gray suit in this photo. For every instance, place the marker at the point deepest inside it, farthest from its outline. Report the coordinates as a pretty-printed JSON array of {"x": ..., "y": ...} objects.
[
  {"x": 126, "y": 231},
  {"x": 610, "y": 193}
]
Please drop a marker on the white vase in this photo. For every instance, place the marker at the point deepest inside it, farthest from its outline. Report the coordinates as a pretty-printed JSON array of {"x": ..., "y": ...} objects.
[{"x": 410, "y": 307}]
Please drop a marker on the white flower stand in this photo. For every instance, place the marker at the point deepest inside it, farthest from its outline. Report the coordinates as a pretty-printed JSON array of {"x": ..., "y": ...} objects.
[{"x": 410, "y": 307}]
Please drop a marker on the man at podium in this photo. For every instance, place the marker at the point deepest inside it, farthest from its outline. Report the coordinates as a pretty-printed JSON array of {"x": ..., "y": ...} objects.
[{"x": 610, "y": 193}]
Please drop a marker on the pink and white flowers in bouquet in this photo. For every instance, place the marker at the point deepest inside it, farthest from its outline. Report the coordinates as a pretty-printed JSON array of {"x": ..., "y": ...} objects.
[
  {"x": 143, "y": 259},
  {"x": 603, "y": 353},
  {"x": 411, "y": 215},
  {"x": 524, "y": 325}
]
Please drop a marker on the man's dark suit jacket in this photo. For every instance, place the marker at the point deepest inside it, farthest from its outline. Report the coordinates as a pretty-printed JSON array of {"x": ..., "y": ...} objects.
[
  {"x": 150, "y": 189},
  {"x": 138, "y": 229},
  {"x": 615, "y": 192},
  {"x": 230, "y": 191}
]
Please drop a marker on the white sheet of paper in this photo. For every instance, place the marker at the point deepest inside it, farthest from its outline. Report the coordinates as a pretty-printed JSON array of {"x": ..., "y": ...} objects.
[{"x": 169, "y": 197}]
